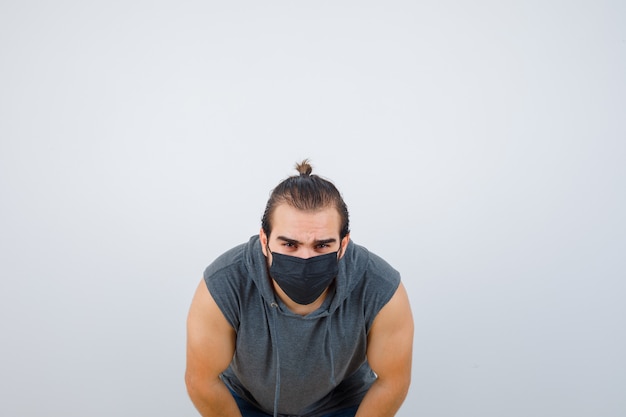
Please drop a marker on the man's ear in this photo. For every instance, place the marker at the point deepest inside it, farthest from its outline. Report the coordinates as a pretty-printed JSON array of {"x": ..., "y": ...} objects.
[
  {"x": 263, "y": 238},
  {"x": 344, "y": 245}
]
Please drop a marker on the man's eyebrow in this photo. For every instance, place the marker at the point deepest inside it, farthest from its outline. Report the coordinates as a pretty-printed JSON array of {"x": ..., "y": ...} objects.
[
  {"x": 296, "y": 242},
  {"x": 325, "y": 241},
  {"x": 288, "y": 240}
]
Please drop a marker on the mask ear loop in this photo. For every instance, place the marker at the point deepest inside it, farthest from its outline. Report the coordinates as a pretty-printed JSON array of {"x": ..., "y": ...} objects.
[
  {"x": 339, "y": 254},
  {"x": 269, "y": 251}
]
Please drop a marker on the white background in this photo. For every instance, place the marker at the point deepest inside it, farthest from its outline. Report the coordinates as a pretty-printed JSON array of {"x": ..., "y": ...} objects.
[{"x": 480, "y": 147}]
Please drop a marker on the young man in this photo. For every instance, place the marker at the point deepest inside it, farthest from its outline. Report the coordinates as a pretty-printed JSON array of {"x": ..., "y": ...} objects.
[{"x": 300, "y": 321}]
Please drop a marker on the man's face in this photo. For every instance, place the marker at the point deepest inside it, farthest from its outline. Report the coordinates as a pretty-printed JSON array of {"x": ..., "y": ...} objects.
[{"x": 303, "y": 233}]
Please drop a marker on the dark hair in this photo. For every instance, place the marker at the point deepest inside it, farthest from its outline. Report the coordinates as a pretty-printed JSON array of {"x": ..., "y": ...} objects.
[{"x": 306, "y": 191}]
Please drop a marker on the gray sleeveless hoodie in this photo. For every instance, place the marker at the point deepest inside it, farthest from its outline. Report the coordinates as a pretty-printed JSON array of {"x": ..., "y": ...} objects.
[{"x": 287, "y": 364}]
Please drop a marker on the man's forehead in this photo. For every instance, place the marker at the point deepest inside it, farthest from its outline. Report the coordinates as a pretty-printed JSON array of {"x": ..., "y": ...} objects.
[
  {"x": 286, "y": 212},
  {"x": 295, "y": 224}
]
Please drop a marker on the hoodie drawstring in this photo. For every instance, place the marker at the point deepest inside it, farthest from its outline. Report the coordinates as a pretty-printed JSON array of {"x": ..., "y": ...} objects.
[
  {"x": 331, "y": 354},
  {"x": 274, "y": 308}
]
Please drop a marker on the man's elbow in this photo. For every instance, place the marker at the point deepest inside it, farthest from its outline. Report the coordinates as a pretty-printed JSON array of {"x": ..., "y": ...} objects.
[
  {"x": 199, "y": 386},
  {"x": 399, "y": 385},
  {"x": 192, "y": 383}
]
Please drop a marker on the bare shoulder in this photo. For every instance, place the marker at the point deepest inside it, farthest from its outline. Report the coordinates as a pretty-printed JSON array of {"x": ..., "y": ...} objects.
[
  {"x": 396, "y": 314},
  {"x": 390, "y": 341},
  {"x": 204, "y": 308}
]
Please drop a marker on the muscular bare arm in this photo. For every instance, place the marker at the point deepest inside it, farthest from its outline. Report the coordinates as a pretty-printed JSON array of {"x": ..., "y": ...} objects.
[
  {"x": 389, "y": 353},
  {"x": 210, "y": 348}
]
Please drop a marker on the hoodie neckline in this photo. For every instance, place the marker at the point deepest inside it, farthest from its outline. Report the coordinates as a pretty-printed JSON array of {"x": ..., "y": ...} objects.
[{"x": 321, "y": 311}]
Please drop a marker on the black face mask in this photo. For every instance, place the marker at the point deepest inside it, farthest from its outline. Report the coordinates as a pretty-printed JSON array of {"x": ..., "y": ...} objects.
[{"x": 304, "y": 280}]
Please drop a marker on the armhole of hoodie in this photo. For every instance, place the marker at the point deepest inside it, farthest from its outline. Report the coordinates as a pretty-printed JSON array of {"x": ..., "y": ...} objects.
[
  {"x": 224, "y": 296},
  {"x": 387, "y": 283}
]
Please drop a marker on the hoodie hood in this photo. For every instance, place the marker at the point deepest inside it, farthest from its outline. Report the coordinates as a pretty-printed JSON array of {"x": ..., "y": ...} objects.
[{"x": 351, "y": 270}]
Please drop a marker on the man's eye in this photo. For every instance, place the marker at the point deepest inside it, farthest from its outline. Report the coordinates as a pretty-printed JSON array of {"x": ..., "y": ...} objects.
[{"x": 289, "y": 245}]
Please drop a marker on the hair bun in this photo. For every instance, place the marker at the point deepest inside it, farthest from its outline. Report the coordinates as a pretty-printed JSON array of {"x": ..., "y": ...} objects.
[{"x": 304, "y": 168}]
